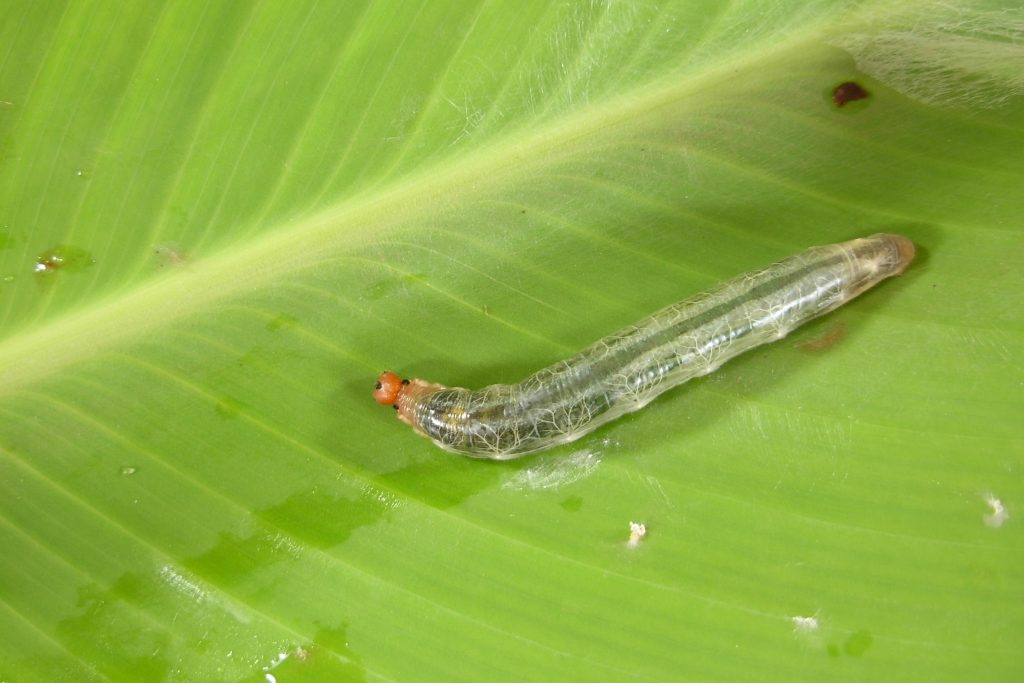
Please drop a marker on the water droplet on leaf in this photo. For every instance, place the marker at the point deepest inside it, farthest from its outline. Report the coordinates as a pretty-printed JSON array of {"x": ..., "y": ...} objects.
[{"x": 63, "y": 257}]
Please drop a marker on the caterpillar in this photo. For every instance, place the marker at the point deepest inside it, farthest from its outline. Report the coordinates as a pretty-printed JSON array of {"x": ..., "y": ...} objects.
[{"x": 625, "y": 371}]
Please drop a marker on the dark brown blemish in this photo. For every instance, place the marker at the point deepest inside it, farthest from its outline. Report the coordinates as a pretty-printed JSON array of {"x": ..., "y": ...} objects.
[{"x": 848, "y": 92}]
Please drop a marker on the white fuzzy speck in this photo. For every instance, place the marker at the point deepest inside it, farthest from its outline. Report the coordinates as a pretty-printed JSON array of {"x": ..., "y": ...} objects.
[
  {"x": 804, "y": 624},
  {"x": 270, "y": 678},
  {"x": 637, "y": 531},
  {"x": 998, "y": 514}
]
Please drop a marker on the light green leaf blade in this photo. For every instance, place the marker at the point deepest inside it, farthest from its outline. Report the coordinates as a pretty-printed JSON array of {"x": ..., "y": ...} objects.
[{"x": 218, "y": 223}]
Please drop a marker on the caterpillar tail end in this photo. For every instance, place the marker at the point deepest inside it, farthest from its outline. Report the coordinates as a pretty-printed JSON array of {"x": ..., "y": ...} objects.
[{"x": 906, "y": 251}]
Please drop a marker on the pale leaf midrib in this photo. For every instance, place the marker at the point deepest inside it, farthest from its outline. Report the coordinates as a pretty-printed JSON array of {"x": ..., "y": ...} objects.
[{"x": 117, "y": 320}]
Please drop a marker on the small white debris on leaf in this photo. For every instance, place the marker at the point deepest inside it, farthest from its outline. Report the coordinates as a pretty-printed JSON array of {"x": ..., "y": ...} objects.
[
  {"x": 998, "y": 515},
  {"x": 637, "y": 531},
  {"x": 182, "y": 584},
  {"x": 804, "y": 624}
]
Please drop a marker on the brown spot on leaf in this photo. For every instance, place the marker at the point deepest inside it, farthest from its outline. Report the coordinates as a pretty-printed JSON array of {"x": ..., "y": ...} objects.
[
  {"x": 825, "y": 341},
  {"x": 848, "y": 92}
]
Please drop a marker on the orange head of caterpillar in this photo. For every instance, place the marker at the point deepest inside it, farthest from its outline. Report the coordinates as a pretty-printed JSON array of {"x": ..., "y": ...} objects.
[{"x": 388, "y": 388}]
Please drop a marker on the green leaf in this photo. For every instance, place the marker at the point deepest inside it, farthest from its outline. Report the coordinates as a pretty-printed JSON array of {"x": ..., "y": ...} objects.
[{"x": 219, "y": 221}]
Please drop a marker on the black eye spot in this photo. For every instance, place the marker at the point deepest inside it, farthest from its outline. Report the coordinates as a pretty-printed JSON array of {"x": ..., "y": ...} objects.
[
  {"x": 405, "y": 381},
  {"x": 376, "y": 387},
  {"x": 395, "y": 406}
]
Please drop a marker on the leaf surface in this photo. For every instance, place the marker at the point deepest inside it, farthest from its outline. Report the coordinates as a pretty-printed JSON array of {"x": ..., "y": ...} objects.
[{"x": 220, "y": 221}]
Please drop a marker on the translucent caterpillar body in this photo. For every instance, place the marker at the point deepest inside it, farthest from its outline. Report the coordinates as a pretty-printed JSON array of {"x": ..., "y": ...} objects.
[{"x": 626, "y": 370}]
